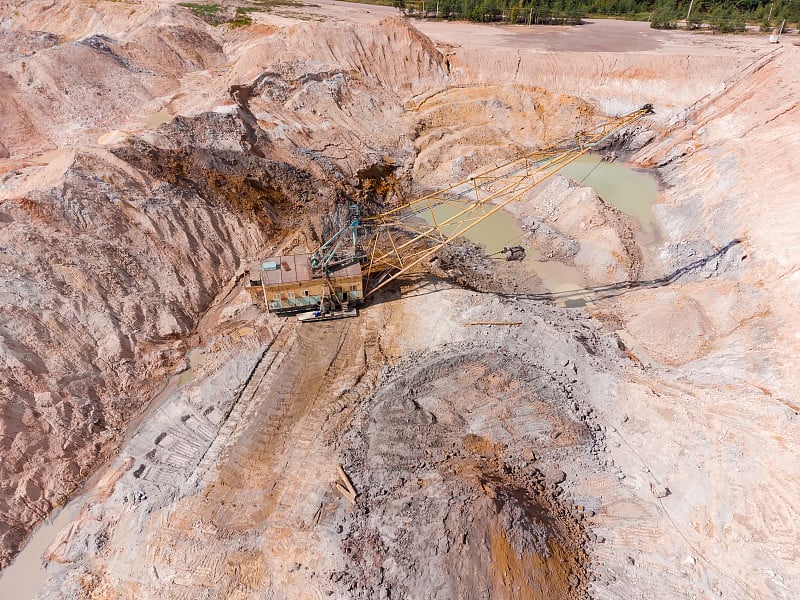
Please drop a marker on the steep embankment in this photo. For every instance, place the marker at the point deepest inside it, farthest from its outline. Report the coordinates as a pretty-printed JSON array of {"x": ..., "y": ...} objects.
[
  {"x": 60, "y": 91},
  {"x": 112, "y": 256},
  {"x": 107, "y": 269},
  {"x": 613, "y": 82},
  {"x": 732, "y": 325},
  {"x": 106, "y": 272},
  {"x": 728, "y": 168}
]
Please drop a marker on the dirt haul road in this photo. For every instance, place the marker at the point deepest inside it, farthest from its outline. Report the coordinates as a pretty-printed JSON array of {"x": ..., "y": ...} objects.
[{"x": 642, "y": 446}]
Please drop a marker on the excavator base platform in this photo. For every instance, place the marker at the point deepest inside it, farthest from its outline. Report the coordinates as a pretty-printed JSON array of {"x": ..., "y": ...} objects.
[{"x": 315, "y": 316}]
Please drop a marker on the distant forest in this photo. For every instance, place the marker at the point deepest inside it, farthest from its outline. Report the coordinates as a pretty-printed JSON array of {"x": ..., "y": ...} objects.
[{"x": 719, "y": 15}]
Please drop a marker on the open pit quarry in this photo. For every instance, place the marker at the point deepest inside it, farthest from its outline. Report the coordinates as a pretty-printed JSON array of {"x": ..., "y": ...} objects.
[{"x": 616, "y": 417}]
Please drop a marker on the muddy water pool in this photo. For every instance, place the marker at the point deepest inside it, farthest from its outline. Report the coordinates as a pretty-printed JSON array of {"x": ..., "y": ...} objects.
[
  {"x": 498, "y": 230},
  {"x": 22, "y": 578},
  {"x": 633, "y": 192},
  {"x": 158, "y": 118}
]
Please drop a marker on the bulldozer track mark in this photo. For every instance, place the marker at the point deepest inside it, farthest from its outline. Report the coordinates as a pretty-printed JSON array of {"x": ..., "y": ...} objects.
[
  {"x": 277, "y": 447},
  {"x": 236, "y": 416},
  {"x": 191, "y": 432}
]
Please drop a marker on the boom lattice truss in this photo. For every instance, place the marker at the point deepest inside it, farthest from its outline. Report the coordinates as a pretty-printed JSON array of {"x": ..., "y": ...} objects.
[{"x": 400, "y": 240}]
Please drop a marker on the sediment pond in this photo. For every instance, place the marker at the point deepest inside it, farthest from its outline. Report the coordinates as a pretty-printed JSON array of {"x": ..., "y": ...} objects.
[{"x": 633, "y": 192}]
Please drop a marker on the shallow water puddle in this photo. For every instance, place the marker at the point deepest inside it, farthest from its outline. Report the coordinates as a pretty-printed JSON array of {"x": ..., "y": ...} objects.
[
  {"x": 22, "y": 578},
  {"x": 630, "y": 191},
  {"x": 498, "y": 230},
  {"x": 196, "y": 357},
  {"x": 158, "y": 118}
]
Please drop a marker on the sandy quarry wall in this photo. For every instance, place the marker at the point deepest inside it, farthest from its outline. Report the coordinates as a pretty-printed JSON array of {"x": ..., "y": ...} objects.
[
  {"x": 106, "y": 272},
  {"x": 75, "y": 20},
  {"x": 392, "y": 54},
  {"x": 615, "y": 83},
  {"x": 729, "y": 168},
  {"x": 113, "y": 254}
]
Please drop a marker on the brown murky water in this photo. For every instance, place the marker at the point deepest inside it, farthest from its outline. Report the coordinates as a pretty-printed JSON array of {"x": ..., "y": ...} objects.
[
  {"x": 158, "y": 118},
  {"x": 498, "y": 230},
  {"x": 631, "y": 191}
]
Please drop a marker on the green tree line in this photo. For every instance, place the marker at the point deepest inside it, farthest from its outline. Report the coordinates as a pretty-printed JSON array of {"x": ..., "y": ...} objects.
[{"x": 722, "y": 15}]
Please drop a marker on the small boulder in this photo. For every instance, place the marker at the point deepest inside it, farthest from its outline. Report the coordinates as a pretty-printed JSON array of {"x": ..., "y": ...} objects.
[
  {"x": 659, "y": 491},
  {"x": 556, "y": 476}
]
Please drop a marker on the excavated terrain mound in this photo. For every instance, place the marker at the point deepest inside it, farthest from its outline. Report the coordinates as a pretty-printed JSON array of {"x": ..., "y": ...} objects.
[
  {"x": 123, "y": 251},
  {"x": 447, "y": 443},
  {"x": 457, "y": 504}
]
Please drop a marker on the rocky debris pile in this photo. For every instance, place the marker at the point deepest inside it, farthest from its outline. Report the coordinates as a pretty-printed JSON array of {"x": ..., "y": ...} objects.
[
  {"x": 52, "y": 100},
  {"x": 465, "y": 460},
  {"x": 625, "y": 142},
  {"x": 17, "y": 43},
  {"x": 465, "y": 264}
]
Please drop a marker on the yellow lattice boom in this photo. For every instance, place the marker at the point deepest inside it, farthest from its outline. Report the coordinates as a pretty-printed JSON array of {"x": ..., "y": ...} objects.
[{"x": 401, "y": 240}]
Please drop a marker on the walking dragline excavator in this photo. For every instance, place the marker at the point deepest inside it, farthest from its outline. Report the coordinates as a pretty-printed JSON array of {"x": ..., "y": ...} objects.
[{"x": 371, "y": 251}]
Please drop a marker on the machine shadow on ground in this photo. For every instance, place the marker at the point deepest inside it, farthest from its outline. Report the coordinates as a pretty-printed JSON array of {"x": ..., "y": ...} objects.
[
  {"x": 422, "y": 284},
  {"x": 612, "y": 290}
]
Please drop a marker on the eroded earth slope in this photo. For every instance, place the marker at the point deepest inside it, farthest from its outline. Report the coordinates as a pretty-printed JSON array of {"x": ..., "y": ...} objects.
[{"x": 640, "y": 446}]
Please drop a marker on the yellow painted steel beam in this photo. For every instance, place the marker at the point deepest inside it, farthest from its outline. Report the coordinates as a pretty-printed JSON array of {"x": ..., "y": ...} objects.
[{"x": 537, "y": 167}]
